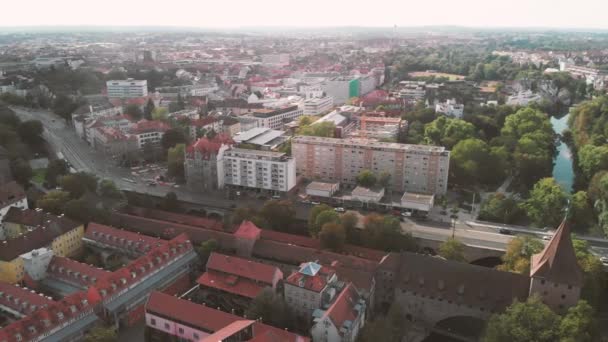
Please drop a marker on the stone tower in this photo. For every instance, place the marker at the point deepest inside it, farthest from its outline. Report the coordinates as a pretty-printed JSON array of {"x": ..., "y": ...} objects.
[{"x": 556, "y": 276}]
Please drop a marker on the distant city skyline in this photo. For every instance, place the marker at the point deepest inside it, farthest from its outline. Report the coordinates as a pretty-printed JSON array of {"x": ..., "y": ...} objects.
[{"x": 589, "y": 14}]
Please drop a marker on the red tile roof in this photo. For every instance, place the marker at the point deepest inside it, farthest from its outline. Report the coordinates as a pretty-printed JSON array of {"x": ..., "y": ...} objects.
[
  {"x": 208, "y": 147},
  {"x": 343, "y": 308},
  {"x": 204, "y": 121},
  {"x": 147, "y": 126},
  {"x": 243, "y": 268},
  {"x": 21, "y": 299},
  {"x": 72, "y": 271},
  {"x": 190, "y": 220},
  {"x": 557, "y": 262},
  {"x": 230, "y": 283},
  {"x": 119, "y": 238},
  {"x": 248, "y": 230},
  {"x": 313, "y": 283},
  {"x": 10, "y": 193}
]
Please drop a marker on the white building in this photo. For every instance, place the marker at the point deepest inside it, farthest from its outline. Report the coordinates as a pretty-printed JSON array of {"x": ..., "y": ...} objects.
[
  {"x": 266, "y": 170},
  {"x": 274, "y": 118},
  {"x": 450, "y": 108},
  {"x": 367, "y": 195},
  {"x": 11, "y": 195},
  {"x": 148, "y": 132},
  {"x": 318, "y": 105},
  {"x": 322, "y": 189},
  {"x": 280, "y": 59},
  {"x": 342, "y": 320},
  {"x": 36, "y": 262},
  {"x": 129, "y": 88},
  {"x": 523, "y": 98},
  {"x": 418, "y": 202}
]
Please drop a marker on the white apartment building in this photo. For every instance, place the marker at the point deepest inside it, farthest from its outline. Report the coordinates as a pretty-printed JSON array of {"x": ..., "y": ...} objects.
[
  {"x": 318, "y": 105},
  {"x": 274, "y": 118},
  {"x": 266, "y": 170},
  {"x": 523, "y": 98},
  {"x": 413, "y": 168},
  {"x": 450, "y": 108},
  {"x": 149, "y": 132},
  {"x": 125, "y": 89}
]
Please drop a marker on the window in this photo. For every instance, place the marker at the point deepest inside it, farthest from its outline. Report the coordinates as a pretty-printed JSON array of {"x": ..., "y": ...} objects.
[
  {"x": 167, "y": 326},
  {"x": 195, "y": 335},
  {"x": 153, "y": 322},
  {"x": 181, "y": 330}
]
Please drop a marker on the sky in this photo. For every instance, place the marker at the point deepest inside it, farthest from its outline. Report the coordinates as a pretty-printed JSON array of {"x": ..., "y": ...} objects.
[{"x": 307, "y": 13}]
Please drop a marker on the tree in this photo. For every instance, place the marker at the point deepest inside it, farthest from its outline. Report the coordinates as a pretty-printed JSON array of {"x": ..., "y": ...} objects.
[
  {"x": 173, "y": 137},
  {"x": 445, "y": 131},
  {"x": 594, "y": 278},
  {"x": 524, "y": 322},
  {"x": 101, "y": 333},
  {"x": 332, "y": 236},
  {"x": 312, "y": 218},
  {"x": 391, "y": 327},
  {"x": 64, "y": 106},
  {"x": 149, "y": 109},
  {"x": 134, "y": 112},
  {"x": 324, "y": 129},
  {"x": 54, "y": 201},
  {"x": 474, "y": 161},
  {"x": 107, "y": 188},
  {"x": 592, "y": 159},
  {"x": 452, "y": 249},
  {"x": 170, "y": 202},
  {"x": 55, "y": 169},
  {"x": 175, "y": 161},
  {"x": 21, "y": 171},
  {"x": 206, "y": 248},
  {"x": 242, "y": 214},
  {"x": 366, "y": 178},
  {"x": 384, "y": 232},
  {"x": 30, "y": 132},
  {"x": 349, "y": 222},
  {"x": 579, "y": 324},
  {"x": 500, "y": 208},
  {"x": 384, "y": 179},
  {"x": 546, "y": 203},
  {"x": 581, "y": 212},
  {"x": 78, "y": 184},
  {"x": 279, "y": 215},
  {"x": 325, "y": 217},
  {"x": 271, "y": 309},
  {"x": 160, "y": 114},
  {"x": 518, "y": 254}
]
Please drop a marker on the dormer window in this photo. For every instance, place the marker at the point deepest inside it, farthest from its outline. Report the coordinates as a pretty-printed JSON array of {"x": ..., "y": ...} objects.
[
  {"x": 60, "y": 315},
  {"x": 73, "y": 308}
]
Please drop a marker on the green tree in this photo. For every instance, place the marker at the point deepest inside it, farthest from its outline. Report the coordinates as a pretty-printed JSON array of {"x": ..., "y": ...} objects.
[
  {"x": 134, "y": 112},
  {"x": 500, "y": 208},
  {"x": 64, "y": 106},
  {"x": 242, "y": 214},
  {"x": 107, "y": 188},
  {"x": 366, "y": 178},
  {"x": 54, "y": 201},
  {"x": 206, "y": 248},
  {"x": 101, "y": 333},
  {"x": 21, "y": 171},
  {"x": 452, "y": 249},
  {"x": 175, "y": 161},
  {"x": 524, "y": 322},
  {"x": 325, "y": 217},
  {"x": 384, "y": 179},
  {"x": 173, "y": 137},
  {"x": 271, "y": 309},
  {"x": 279, "y": 215},
  {"x": 349, "y": 222},
  {"x": 170, "y": 202},
  {"x": 55, "y": 169},
  {"x": 30, "y": 132},
  {"x": 332, "y": 236},
  {"x": 581, "y": 212},
  {"x": 313, "y": 229},
  {"x": 391, "y": 327},
  {"x": 323, "y": 129},
  {"x": 384, "y": 232},
  {"x": 474, "y": 161},
  {"x": 594, "y": 277},
  {"x": 78, "y": 184},
  {"x": 546, "y": 203},
  {"x": 160, "y": 114},
  {"x": 518, "y": 254},
  {"x": 445, "y": 131},
  {"x": 149, "y": 109},
  {"x": 579, "y": 324},
  {"x": 592, "y": 159}
]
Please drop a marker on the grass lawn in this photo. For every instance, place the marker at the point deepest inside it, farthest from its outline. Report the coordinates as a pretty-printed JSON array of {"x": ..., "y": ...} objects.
[{"x": 39, "y": 176}]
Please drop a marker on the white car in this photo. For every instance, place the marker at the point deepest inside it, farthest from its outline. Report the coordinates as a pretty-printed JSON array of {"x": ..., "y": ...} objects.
[
  {"x": 339, "y": 210},
  {"x": 406, "y": 214},
  {"x": 547, "y": 237},
  {"x": 315, "y": 203}
]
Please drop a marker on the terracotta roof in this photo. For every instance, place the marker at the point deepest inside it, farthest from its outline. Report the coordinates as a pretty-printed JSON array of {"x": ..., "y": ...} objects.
[
  {"x": 231, "y": 284},
  {"x": 315, "y": 281},
  {"x": 267, "y": 333},
  {"x": 460, "y": 282},
  {"x": 147, "y": 126},
  {"x": 190, "y": 220},
  {"x": 10, "y": 193},
  {"x": 243, "y": 268},
  {"x": 343, "y": 308},
  {"x": 119, "y": 238},
  {"x": 21, "y": 299},
  {"x": 557, "y": 262},
  {"x": 204, "y": 121},
  {"x": 228, "y": 331},
  {"x": 248, "y": 230},
  {"x": 48, "y": 227},
  {"x": 207, "y": 146},
  {"x": 72, "y": 271}
]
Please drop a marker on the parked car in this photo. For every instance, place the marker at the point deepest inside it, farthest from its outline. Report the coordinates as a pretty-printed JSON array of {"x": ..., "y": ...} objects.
[
  {"x": 547, "y": 237},
  {"x": 339, "y": 210},
  {"x": 504, "y": 231},
  {"x": 315, "y": 203},
  {"x": 276, "y": 197},
  {"x": 406, "y": 214}
]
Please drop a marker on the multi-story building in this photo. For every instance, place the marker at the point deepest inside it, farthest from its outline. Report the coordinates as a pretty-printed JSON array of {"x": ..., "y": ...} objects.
[
  {"x": 236, "y": 281},
  {"x": 318, "y": 105},
  {"x": 273, "y": 171},
  {"x": 378, "y": 126},
  {"x": 33, "y": 229},
  {"x": 119, "y": 122},
  {"x": 230, "y": 126},
  {"x": 204, "y": 163},
  {"x": 523, "y": 98},
  {"x": 202, "y": 126},
  {"x": 279, "y": 59},
  {"x": 129, "y": 88},
  {"x": 275, "y": 118},
  {"x": 413, "y": 168},
  {"x": 148, "y": 132},
  {"x": 342, "y": 320},
  {"x": 341, "y": 89},
  {"x": 450, "y": 108},
  {"x": 113, "y": 142},
  {"x": 11, "y": 195}
]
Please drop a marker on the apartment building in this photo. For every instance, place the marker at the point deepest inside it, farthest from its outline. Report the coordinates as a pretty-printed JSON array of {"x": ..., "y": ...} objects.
[
  {"x": 318, "y": 105},
  {"x": 125, "y": 89},
  {"x": 266, "y": 170},
  {"x": 450, "y": 108},
  {"x": 275, "y": 118},
  {"x": 413, "y": 168},
  {"x": 309, "y": 288},
  {"x": 204, "y": 163},
  {"x": 376, "y": 125},
  {"x": 149, "y": 132}
]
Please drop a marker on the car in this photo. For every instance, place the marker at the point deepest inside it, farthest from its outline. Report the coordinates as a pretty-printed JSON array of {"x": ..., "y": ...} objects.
[
  {"x": 276, "y": 197},
  {"x": 315, "y": 203},
  {"x": 305, "y": 201},
  {"x": 504, "y": 231},
  {"x": 604, "y": 260},
  {"x": 339, "y": 210},
  {"x": 547, "y": 237},
  {"x": 152, "y": 184},
  {"x": 406, "y": 214}
]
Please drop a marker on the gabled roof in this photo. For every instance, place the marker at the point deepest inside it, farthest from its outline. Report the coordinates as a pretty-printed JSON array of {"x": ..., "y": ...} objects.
[
  {"x": 207, "y": 147},
  {"x": 119, "y": 238},
  {"x": 242, "y": 267},
  {"x": 248, "y": 230},
  {"x": 147, "y": 126},
  {"x": 72, "y": 271},
  {"x": 344, "y": 307},
  {"x": 10, "y": 193},
  {"x": 21, "y": 299},
  {"x": 557, "y": 262},
  {"x": 311, "y": 276}
]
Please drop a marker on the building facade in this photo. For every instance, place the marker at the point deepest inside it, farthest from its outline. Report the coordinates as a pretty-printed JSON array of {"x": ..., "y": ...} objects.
[
  {"x": 204, "y": 163},
  {"x": 275, "y": 118},
  {"x": 318, "y": 105},
  {"x": 11, "y": 195},
  {"x": 266, "y": 170},
  {"x": 129, "y": 88},
  {"x": 413, "y": 168}
]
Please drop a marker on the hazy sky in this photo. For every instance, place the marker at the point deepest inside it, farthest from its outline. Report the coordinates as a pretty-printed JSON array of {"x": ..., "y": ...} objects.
[{"x": 235, "y": 13}]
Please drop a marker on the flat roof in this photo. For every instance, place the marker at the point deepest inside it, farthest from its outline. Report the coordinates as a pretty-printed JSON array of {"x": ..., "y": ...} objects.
[
  {"x": 362, "y": 191},
  {"x": 250, "y": 134},
  {"x": 266, "y": 137},
  {"x": 321, "y": 186},
  {"x": 417, "y": 198},
  {"x": 372, "y": 143}
]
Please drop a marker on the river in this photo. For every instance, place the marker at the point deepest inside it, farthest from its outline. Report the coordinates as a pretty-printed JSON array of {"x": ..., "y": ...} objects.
[{"x": 562, "y": 170}]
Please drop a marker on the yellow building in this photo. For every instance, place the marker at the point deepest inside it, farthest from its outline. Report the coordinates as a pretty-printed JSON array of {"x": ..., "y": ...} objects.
[{"x": 58, "y": 233}]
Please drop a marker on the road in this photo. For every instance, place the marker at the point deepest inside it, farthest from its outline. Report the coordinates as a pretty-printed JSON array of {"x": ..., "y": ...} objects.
[{"x": 82, "y": 157}]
